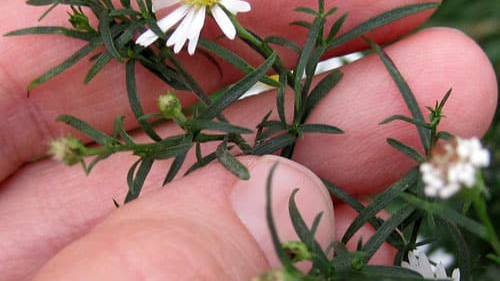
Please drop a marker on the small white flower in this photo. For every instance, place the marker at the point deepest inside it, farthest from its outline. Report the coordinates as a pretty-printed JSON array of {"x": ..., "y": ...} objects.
[
  {"x": 452, "y": 166},
  {"x": 191, "y": 15},
  {"x": 420, "y": 263}
]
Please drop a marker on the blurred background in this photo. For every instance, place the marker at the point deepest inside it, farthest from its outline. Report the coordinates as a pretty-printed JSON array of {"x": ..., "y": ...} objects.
[{"x": 480, "y": 19}]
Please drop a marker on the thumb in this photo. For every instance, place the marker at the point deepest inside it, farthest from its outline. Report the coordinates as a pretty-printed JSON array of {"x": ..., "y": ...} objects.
[{"x": 207, "y": 226}]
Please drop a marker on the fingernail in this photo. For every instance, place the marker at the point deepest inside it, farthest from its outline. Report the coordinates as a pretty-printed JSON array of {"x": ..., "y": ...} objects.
[{"x": 248, "y": 199}]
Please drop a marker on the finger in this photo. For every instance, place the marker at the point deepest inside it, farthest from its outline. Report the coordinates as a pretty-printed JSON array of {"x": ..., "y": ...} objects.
[
  {"x": 364, "y": 155},
  {"x": 194, "y": 231},
  {"x": 360, "y": 160},
  {"x": 103, "y": 98}
]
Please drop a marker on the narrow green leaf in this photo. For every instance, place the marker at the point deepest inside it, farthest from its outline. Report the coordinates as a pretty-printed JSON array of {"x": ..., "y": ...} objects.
[
  {"x": 319, "y": 259},
  {"x": 175, "y": 167},
  {"x": 409, "y": 151},
  {"x": 446, "y": 213},
  {"x": 405, "y": 119},
  {"x": 306, "y": 10},
  {"x": 309, "y": 45},
  {"x": 280, "y": 252},
  {"x": 102, "y": 60},
  {"x": 138, "y": 181},
  {"x": 231, "y": 163},
  {"x": 381, "y": 20},
  {"x": 58, "y": 30},
  {"x": 88, "y": 168},
  {"x": 320, "y": 128},
  {"x": 408, "y": 96},
  {"x": 168, "y": 151},
  {"x": 380, "y": 202},
  {"x": 321, "y": 90},
  {"x": 233, "y": 93},
  {"x": 201, "y": 163},
  {"x": 301, "y": 23},
  {"x": 119, "y": 131},
  {"x": 462, "y": 253},
  {"x": 107, "y": 36},
  {"x": 204, "y": 124},
  {"x": 134, "y": 101},
  {"x": 274, "y": 144},
  {"x": 85, "y": 128},
  {"x": 385, "y": 230},
  {"x": 280, "y": 98},
  {"x": 280, "y": 41},
  {"x": 73, "y": 59},
  {"x": 444, "y": 135},
  {"x": 335, "y": 28},
  {"x": 131, "y": 173},
  {"x": 50, "y": 2},
  {"x": 234, "y": 60}
]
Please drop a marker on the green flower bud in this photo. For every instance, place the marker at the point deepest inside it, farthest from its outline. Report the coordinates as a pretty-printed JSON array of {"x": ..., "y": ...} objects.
[
  {"x": 296, "y": 251},
  {"x": 170, "y": 107},
  {"x": 67, "y": 149},
  {"x": 275, "y": 275}
]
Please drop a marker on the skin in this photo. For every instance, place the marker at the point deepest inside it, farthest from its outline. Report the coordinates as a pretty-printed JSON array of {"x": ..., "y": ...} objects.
[{"x": 58, "y": 224}]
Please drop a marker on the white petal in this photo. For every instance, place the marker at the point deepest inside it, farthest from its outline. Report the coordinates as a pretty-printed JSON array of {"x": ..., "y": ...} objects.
[
  {"x": 160, "y": 4},
  {"x": 197, "y": 23},
  {"x": 192, "y": 44},
  {"x": 180, "y": 35},
  {"x": 441, "y": 271},
  {"x": 424, "y": 265},
  {"x": 148, "y": 37},
  {"x": 455, "y": 275},
  {"x": 236, "y": 6},
  {"x": 224, "y": 22}
]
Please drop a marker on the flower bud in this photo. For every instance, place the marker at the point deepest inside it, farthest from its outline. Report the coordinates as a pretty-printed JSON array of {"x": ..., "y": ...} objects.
[
  {"x": 67, "y": 149},
  {"x": 170, "y": 107}
]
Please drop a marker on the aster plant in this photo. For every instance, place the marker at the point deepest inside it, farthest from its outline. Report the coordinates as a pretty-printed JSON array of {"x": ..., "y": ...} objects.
[{"x": 435, "y": 194}]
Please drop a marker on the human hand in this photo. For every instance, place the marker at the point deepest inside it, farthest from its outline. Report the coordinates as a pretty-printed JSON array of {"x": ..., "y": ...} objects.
[{"x": 208, "y": 225}]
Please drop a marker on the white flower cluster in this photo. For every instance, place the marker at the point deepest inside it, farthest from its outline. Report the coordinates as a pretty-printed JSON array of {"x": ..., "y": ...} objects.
[
  {"x": 420, "y": 263},
  {"x": 191, "y": 15},
  {"x": 453, "y": 165}
]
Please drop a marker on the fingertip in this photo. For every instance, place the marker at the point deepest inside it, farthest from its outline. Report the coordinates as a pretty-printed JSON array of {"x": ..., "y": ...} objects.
[{"x": 248, "y": 201}]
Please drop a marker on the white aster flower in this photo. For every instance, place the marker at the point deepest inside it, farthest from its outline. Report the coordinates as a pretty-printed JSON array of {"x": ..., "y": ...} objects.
[
  {"x": 452, "y": 166},
  {"x": 191, "y": 15},
  {"x": 420, "y": 263}
]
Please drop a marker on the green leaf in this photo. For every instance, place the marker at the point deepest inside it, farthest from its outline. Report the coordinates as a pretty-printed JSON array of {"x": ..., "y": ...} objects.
[
  {"x": 462, "y": 253},
  {"x": 408, "y": 96},
  {"x": 58, "y": 30},
  {"x": 274, "y": 144},
  {"x": 385, "y": 230},
  {"x": 319, "y": 259},
  {"x": 234, "y": 60},
  {"x": 280, "y": 98},
  {"x": 280, "y": 252},
  {"x": 134, "y": 101},
  {"x": 88, "y": 168},
  {"x": 102, "y": 60},
  {"x": 309, "y": 45},
  {"x": 234, "y": 92},
  {"x": 119, "y": 131},
  {"x": 306, "y": 10},
  {"x": 405, "y": 119},
  {"x": 139, "y": 178},
  {"x": 201, "y": 163},
  {"x": 107, "y": 36},
  {"x": 321, "y": 90},
  {"x": 381, "y": 20},
  {"x": 320, "y": 128},
  {"x": 50, "y": 2},
  {"x": 380, "y": 202},
  {"x": 335, "y": 28},
  {"x": 301, "y": 23},
  {"x": 409, "y": 151},
  {"x": 175, "y": 167},
  {"x": 85, "y": 128},
  {"x": 204, "y": 124},
  {"x": 161, "y": 151},
  {"x": 72, "y": 60},
  {"x": 280, "y": 41},
  {"x": 231, "y": 163},
  {"x": 439, "y": 209}
]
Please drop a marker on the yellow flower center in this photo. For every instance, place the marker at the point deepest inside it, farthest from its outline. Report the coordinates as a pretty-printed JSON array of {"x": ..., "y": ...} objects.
[{"x": 199, "y": 3}]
